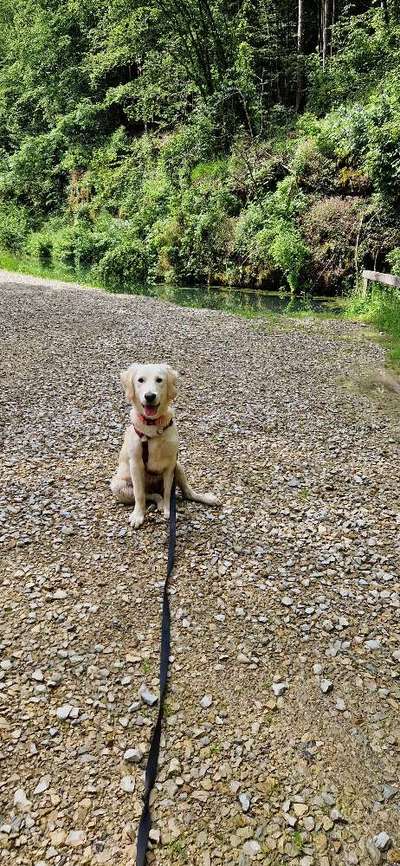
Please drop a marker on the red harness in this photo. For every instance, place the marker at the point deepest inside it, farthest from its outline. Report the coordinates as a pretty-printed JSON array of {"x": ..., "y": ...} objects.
[{"x": 145, "y": 439}]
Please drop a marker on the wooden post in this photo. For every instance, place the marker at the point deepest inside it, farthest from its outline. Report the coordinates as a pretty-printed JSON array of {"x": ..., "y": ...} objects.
[{"x": 376, "y": 277}]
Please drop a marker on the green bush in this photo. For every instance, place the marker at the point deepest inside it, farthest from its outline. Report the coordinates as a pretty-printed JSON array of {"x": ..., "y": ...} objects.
[
  {"x": 13, "y": 226},
  {"x": 381, "y": 307},
  {"x": 123, "y": 266},
  {"x": 365, "y": 49},
  {"x": 289, "y": 253},
  {"x": 163, "y": 244},
  {"x": 313, "y": 170},
  {"x": 330, "y": 227},
  {"x": 188, "y": 146},
  {"x": 79, "y": 245},
  {"x": 33, "y": 175},
  {"x": 40, "y": 246},
  {"x": 394, "y": 261},
  {"x": 204, "y": 243},
  {"x": 383, "y": 158}
]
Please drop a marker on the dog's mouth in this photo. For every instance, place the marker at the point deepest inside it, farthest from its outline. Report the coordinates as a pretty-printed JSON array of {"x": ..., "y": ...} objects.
[{"x": 150, "y": 410}]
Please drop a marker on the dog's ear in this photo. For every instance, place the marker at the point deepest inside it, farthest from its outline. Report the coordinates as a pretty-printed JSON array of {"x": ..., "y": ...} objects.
[
  {"x": 172, "y": 377},
  {"x": 127, "y": 379}
]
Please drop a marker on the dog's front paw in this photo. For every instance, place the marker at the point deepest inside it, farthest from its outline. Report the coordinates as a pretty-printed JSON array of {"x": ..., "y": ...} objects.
[
  {"x": 166, "y": 512},
  {"x": 136, "y": 519}
]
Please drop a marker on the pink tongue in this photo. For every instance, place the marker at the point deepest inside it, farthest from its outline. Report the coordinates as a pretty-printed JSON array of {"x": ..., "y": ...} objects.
[{"x": 150, "y": 410}]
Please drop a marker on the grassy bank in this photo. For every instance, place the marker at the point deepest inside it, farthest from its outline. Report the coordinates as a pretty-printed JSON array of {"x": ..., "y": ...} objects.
[
  {"x": 245, "y": 303},
  {"x": 232, "y": 299},
  {"x": 34, "y": 268},
  {"x": 380, "y": 308}
]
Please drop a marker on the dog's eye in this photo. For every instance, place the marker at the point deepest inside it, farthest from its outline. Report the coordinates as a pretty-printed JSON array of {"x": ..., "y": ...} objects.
[
  {"x": 141, "y": 380},
  {"x": 158, "y": 379}
]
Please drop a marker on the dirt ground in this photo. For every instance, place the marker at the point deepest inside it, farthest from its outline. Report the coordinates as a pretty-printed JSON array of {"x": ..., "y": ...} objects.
[{"x": 285, "y": 601}]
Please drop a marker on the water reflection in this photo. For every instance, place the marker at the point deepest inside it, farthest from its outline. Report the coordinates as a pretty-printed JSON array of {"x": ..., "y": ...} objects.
[{"x": 245, "y": 302}]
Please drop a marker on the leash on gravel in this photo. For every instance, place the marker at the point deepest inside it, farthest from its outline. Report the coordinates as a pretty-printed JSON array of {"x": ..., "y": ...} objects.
[{"x": 152, "y": 760}]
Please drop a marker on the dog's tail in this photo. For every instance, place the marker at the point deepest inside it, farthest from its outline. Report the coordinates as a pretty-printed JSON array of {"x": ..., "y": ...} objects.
[{"x": 189, "y": 493}]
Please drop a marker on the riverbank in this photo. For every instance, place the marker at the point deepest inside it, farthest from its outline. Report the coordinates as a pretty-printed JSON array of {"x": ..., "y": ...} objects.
[
  {"x": 380, "y": 309},
  {"x": 285, "y": 601}
]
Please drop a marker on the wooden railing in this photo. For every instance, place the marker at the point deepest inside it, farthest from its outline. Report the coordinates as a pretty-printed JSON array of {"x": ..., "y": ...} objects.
[{"x": 376, "y": 277}]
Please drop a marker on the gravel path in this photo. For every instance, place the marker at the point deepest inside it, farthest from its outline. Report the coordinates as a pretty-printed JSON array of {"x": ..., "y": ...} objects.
[{"x": 286, "y": 602}]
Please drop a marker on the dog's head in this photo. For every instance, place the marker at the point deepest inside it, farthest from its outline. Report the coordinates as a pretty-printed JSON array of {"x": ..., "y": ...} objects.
[{"x": 150, "y": 387}]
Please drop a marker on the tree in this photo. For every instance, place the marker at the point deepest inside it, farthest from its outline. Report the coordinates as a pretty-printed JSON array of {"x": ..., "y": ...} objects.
[{"x": 300, "y": 52}]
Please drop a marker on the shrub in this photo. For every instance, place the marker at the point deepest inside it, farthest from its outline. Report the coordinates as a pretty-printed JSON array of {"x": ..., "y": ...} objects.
[
  {"x": 289, "y": 253},
  {"x": 13, "y": 226},
  {"x": 34, "y": 174},
  {"x": 163, "y": 241},
  {"x": 367, "y": 47},
  {"x": 80, "y": 245},
  {"x": 383, "y": 159},
  {"x": 40, "y": 246},
  {"x": 394, "y": 260},
  {"x": 343, "y": 133},
  {"x": 124, "y": 265},
  {"x": 188, "y": 146},
  {"x": 312, "y": 169},
  {"x": 381, "y": 307},
  {"x": 330, "y": 228},
  {"x": 204, "y": 244}
]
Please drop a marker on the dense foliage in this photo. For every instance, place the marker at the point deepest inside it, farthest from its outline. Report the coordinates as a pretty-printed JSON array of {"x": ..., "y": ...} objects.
[{"x": 195, "y": 141}]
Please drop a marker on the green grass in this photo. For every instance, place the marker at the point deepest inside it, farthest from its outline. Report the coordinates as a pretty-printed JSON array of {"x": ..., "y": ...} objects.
[
  {"x": 178, "y": 849},
  {"x": 298, "y": 840},
  {"x": 24, "y": 265},
  {"x": 380, "y": 307},
  {"x": 304, "y": 493}
]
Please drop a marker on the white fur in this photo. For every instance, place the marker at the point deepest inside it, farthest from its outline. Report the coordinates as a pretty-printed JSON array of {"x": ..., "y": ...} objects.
[{"x": 131, "y": 483}]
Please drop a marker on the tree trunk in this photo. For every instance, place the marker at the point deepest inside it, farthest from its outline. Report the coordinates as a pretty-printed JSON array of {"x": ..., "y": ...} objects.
[
  {"x": 326, "y": 30},
  {"x": 333, "y": 21},
  {"x": 300, "y": 58}
]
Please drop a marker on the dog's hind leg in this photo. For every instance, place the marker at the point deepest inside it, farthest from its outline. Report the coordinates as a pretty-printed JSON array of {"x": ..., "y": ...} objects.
[
  {"x": 189, "y": 493},
  {"x": 121, "y": 486}
]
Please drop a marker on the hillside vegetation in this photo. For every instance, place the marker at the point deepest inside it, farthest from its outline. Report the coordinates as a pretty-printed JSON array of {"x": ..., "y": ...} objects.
[{"x": 246, "y": 143}]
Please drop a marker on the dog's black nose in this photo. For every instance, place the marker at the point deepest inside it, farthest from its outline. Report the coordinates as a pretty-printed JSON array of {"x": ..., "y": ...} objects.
[{"x": 150, "y": 397}]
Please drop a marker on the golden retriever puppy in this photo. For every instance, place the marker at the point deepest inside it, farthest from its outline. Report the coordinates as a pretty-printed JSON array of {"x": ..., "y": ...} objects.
[{"x": 148, "y": 457}]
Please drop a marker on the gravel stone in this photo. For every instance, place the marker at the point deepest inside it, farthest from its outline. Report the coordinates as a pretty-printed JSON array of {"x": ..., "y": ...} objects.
[
  {"x": 251, "y": 848},
  {"x": 42, "y": 785},
  {"x": 382, "y": 841},
  {"x": 373, "y": 853},
  {"x": 244, "y": 801},
  {"x": 128, "y": 784},
  {"x": 76, "y": 838},
  {"x": 148, "y": 697},
  {"x": 133, "y": 756},
  {"x": 279, "y": 689},
  {"x": 372, "y": 644},
  {"x": 64, "y": 712},
  {"x": 21, "y": 801}
]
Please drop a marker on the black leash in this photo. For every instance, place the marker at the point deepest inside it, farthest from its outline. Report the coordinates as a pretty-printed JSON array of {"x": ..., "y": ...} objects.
[{"x": 152, "y": 760}]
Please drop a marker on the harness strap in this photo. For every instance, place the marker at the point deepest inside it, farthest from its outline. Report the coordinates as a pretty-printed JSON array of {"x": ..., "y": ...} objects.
[
  {"x": 152, "y": 761},
  {"x": 145, "y": 441}
]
